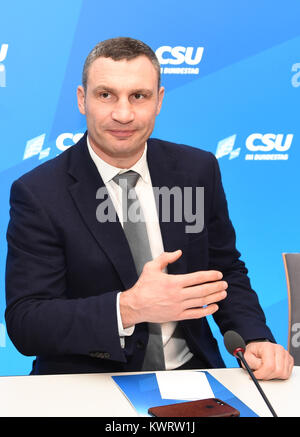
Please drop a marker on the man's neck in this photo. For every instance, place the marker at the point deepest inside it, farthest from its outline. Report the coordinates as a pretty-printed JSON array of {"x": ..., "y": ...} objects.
[{"x": 123, "y": 162}]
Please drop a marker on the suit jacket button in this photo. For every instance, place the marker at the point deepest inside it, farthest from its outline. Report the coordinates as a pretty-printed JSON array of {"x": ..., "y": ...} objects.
[{"x": 102, "y": 355}]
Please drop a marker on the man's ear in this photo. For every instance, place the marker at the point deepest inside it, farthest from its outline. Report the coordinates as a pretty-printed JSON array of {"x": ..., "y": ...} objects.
[
  {"x": 81, "y": 99},
  {"x": 161, "y": 93}
]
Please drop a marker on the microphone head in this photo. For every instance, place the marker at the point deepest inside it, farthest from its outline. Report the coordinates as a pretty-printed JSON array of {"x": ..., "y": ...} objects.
[{"x": 234, "y": 342}]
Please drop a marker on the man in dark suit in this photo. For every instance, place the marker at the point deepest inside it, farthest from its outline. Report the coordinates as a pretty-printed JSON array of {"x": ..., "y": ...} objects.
[{"x": 78, "y": 297}]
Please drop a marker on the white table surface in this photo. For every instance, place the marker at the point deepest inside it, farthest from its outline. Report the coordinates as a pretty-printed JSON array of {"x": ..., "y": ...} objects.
[{"x": 92, "y": 395}]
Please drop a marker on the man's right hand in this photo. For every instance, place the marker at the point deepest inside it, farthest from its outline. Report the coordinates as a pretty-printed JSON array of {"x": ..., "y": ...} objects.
[{"x": 159, "y": 297}]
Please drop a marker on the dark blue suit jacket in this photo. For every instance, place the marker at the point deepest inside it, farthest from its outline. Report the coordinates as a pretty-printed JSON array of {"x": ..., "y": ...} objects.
[{"x": 64, "y": 268}]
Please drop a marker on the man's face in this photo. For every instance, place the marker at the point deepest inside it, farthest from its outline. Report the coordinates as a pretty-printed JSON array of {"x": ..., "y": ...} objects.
[{"x": 121, "y": 103}]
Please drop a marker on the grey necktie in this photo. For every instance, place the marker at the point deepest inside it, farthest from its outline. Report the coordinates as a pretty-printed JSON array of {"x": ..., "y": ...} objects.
[{"x": 136, "y": 233}]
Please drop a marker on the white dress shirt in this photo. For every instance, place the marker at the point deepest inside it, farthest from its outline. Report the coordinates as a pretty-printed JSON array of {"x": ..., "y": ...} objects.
[{"x": 176, "y": 350}]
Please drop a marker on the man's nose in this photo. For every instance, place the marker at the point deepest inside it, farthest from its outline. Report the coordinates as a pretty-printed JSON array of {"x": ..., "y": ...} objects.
[{"x": 123, "y": 112}]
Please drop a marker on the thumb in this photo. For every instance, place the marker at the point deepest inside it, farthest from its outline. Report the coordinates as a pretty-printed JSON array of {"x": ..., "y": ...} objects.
[
  {"x": 166, "y": 258},
  {"x": 252, "y": 357}
]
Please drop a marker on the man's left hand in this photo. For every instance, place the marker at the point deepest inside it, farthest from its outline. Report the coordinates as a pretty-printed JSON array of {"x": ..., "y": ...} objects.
[{"x": 269, "y": 360}]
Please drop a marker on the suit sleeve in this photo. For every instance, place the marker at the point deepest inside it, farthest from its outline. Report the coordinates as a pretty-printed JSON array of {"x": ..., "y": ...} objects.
[
  {"x": 241, "y": 310},
  {"x": 40, "y": 318}
]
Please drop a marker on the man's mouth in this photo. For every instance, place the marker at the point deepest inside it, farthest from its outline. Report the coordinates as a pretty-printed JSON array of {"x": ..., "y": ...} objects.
[{"x": 121, "y": 133}]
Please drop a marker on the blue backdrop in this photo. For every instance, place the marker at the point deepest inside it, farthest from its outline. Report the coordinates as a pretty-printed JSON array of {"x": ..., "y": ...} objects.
[{"x": 231, "y": 70}]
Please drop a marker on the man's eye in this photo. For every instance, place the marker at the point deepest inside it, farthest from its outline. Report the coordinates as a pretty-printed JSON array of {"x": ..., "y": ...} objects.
[
  {"x": 138, "y": 96},
  {"x": 105, "y": 95}
]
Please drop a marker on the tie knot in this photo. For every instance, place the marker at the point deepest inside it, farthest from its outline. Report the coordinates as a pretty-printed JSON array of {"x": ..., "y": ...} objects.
[{"x": 127, "y": 180}]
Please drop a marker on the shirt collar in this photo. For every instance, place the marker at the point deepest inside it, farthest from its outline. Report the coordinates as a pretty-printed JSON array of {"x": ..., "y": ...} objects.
[{"x": 108, "y": 172}]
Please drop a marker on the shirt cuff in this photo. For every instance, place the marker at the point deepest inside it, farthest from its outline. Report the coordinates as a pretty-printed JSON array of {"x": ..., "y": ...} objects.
[{"x": 123, "y": 332}]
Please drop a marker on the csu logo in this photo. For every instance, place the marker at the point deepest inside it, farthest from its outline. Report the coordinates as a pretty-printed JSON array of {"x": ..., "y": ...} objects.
[
  {"x": 66, "y": 140},
  {"x": 268, "y": 142},
  {"x": 179, "y": 55},
  {"x": 3, "y": 54},
  {"x": 263, "y": 147},
  {"x": 36, "y": 146}
]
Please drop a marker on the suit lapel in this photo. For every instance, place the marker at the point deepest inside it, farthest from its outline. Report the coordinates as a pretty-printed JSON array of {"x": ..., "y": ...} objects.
[
  {"x": 165, "y": 174},
  {"x": 109, "y": 235}
]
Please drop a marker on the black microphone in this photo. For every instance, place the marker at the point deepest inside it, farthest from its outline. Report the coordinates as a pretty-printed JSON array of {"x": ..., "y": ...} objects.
[{"x": 236, "y": 347}]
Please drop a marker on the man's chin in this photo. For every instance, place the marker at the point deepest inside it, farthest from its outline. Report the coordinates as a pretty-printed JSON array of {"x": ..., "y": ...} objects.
[
  {"x": 124, "y": 149},
  {"x": 126, "y": 146}
]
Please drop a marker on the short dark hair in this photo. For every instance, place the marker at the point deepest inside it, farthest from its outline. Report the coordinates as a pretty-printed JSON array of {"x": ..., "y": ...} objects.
[{"x": 118, "y": 49}]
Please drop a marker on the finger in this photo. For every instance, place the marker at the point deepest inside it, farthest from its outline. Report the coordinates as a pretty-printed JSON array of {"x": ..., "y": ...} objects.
[
  {"x": 281, "y": 363},
  {"x": 280, "y": 368},
  {"x": 291, "y": 365},
  {"x": 260, "y": 358},
  {"x": 204, "y": 301},
  {"x": 198, "y": 313},
  {"x": 196, "y": 301},
  {"x": 263, "y": 361},
  {"x": 159, "y": 263},
  {"x": 203, "y": 290},
  {"x": 274, "y": 362},
  {"x": 284, "y": 363},
  {"x": 200, "y": 277},
  {"x": 253, "y": 361}
]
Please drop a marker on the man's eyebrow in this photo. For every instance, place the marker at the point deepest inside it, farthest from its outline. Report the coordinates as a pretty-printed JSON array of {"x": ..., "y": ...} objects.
[
  {"x": 105, "y": 88},
  {"x": 143, "y": 91}
]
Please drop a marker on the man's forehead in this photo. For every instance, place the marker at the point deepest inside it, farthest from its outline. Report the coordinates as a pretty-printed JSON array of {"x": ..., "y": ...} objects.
[{"x": 139, "y": 69}]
